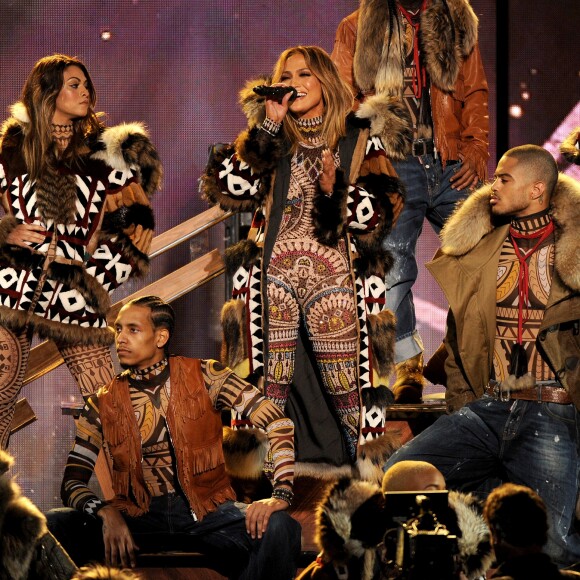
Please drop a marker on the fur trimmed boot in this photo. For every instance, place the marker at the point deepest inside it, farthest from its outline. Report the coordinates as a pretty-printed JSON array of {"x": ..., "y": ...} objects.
[{"x": 408, "y": 387}]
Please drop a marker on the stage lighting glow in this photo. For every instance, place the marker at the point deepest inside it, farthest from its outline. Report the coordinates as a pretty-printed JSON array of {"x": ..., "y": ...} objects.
[
  {"x": 516, "y": 111},
  {"x": 525, "y": 95},
  {"x": 106, "y": 34}
]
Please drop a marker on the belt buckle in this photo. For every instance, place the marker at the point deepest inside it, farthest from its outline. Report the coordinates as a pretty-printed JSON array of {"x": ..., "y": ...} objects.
[
  {"x": 498, "y": 393},
  {"x": 419, "y": 147},
  {"x": 504, "y": 396}
]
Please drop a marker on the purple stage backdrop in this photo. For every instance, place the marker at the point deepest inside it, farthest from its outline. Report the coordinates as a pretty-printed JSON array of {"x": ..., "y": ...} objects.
[{"x": 177, "y": 66}]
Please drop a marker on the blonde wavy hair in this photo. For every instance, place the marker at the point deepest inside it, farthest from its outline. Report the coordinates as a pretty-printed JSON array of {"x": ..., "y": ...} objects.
[{"x": 336, "y": 94}]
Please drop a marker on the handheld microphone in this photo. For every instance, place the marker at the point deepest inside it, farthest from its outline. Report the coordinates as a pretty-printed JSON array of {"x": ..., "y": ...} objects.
[{"x": 276, "y": 92}]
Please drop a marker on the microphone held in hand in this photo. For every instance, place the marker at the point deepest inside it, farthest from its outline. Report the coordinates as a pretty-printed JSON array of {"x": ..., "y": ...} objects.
[{"x": 276, "y": 92}]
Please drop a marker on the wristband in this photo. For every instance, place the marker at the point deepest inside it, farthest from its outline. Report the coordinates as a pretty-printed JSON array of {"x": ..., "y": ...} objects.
[
  {"x": 283, "y": 493},
  {"x": 271, "y": 127}
]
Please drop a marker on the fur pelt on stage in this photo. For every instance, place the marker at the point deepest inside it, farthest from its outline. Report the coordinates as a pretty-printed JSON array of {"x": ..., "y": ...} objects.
[
  {"x": 21, "y": 526},
  {"x": 351, "y": 525}
]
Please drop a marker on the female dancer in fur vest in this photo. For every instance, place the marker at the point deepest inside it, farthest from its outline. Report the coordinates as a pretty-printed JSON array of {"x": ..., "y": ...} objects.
[
  {"x": 78, "y": 224},
  {"x": 320, "y": 189}
]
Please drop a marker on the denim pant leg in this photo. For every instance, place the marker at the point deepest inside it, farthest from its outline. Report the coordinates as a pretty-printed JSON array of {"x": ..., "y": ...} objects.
[
  {"x": 79, "y": 533},
  {"x": 540, "y": 450},
  {"x": 462, "y": 446},
  {"x": 444, "y": 199},
  {"x": 402, "y": 243},
  {"x": 273, "y": 557}
]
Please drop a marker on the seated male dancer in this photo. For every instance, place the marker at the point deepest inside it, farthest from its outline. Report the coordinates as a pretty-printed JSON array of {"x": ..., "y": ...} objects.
[{"x": 160, "y": 421}]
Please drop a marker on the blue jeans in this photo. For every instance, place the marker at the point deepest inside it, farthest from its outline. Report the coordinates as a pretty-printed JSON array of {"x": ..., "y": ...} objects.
[
  {"x": 429, "y": 195},
  {"x": 169, "y": 525},
  {"x": 524, "y": 442}
]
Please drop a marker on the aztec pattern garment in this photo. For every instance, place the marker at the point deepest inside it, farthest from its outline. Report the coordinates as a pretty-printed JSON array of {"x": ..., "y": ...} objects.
[
  {"x": 309, "y": 281},
  {"x": 90, "y": 366},
  {"x": 149, "y": 400},
  {"x": 541, "y": 268},
  {"x": 97, "y": 223}
]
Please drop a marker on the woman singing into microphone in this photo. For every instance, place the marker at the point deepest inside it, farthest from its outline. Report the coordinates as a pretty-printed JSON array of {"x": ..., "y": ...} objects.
[{"x": 323, "y": 195}]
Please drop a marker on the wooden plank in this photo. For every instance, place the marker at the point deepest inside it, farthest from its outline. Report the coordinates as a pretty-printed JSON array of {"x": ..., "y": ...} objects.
[
  {"x": 23, "y": 415},
  {"x": 186, "y": 230},
  {"x": 45, "y": 357}
]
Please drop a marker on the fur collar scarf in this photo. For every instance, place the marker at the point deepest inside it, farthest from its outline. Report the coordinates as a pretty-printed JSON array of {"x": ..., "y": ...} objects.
[
  {"x": 448, "y": 34},
  {"x": 121, "y": 147},
  {"x": 473, "y": 220}
]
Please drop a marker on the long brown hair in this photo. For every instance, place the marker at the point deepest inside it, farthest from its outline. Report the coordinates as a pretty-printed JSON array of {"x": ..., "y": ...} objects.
[
  {"x": 336, "y": 94},
  {"x": 39, "y": 96}
]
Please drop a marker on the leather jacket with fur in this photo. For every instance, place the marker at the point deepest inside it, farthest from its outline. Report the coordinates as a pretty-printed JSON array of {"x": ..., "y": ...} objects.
[{"x": 458, "y": 87}]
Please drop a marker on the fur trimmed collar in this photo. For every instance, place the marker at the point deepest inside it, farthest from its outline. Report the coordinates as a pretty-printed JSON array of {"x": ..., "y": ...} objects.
[
  {"x": 473, "y": 220},
  {"x": 444, "y": 52},
  {"x": 121, "y": 147}
]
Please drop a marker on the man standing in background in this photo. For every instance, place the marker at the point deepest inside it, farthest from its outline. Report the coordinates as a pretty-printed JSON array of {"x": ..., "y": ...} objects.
[{"x": 417, "y": 63}]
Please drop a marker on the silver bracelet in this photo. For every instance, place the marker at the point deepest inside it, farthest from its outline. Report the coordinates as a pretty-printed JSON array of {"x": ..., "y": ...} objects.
[{"x": 271, "y": 127}]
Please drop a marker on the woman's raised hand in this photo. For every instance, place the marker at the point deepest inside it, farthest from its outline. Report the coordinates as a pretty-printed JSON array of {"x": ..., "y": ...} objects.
[{"x": 276, "y": 110}]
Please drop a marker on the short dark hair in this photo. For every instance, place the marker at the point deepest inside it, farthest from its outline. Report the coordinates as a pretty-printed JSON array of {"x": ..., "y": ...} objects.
[
  {"x": 540, "y": 162},
  {"x": 517, "y": 515},
  {"x": 162, "y": 314}
]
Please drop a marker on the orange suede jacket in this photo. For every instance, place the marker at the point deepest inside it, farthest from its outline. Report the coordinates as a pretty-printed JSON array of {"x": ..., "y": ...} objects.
[{"x": 195, "y": 429}]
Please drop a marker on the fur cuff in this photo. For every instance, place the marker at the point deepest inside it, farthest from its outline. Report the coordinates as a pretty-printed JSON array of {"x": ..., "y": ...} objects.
[
  {"x": 260, "y": 150},
  {"x": 233, "y": 319},
  {"x": 329, "y": 212},
  {"x": 128, "y": 145},
  {"x": 211, "y": 191},
  {"x": 390, "y": 120},
  {"x": 380, "y": 397},
  {"x": 244, "y": 452},
  {"x": 245, "y": 253}
]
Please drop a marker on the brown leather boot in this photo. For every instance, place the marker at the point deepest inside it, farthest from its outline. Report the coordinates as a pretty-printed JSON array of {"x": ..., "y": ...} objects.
[{"x": 408, "y": 387}]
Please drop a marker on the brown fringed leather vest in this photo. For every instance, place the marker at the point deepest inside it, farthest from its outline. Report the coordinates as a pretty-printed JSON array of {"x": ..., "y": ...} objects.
[{"x": 195, "y": 430}]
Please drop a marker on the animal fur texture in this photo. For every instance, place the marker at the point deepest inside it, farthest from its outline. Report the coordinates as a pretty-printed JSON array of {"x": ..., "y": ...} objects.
[
  {"x": 472, "y": 220},
  {"x": 569, "y": 148},
  {"x": 21, "y": 525}
]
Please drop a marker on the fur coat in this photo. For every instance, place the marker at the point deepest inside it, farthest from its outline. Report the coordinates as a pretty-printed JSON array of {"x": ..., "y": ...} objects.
[
  {"x": 21, "y": 526},
  {"x": 466, "y": 270},
  {"x": 246, "y": 177},
  {"x": 98, "y": 222},
  {"x": 458, "y": 87},
  {"x": 351, "y": 526},
  {"x": 27, "y": 549}
]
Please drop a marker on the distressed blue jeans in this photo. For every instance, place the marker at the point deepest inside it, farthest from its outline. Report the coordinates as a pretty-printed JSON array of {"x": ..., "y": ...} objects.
[
  {"x": 429, "y": 196},
  {"x": 169, "y": 525},
  {"x": 524, "y": 442}
]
